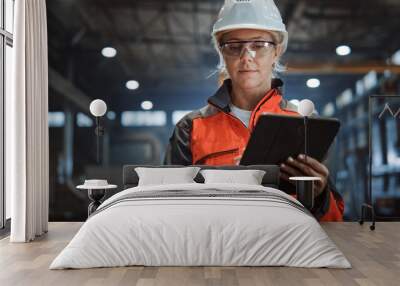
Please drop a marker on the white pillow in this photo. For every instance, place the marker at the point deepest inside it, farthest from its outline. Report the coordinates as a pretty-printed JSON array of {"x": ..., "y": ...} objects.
[
  {"x": 164, "y": 176},
  {"x": 249, "y": 177}
]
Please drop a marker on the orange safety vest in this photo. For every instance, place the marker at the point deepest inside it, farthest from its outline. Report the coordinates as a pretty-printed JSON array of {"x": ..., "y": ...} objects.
[{"x": 213, "y": 136}]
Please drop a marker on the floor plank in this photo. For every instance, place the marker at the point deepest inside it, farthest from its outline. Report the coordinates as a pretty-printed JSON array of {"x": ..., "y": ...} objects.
[{"x": 375, "y": 257}]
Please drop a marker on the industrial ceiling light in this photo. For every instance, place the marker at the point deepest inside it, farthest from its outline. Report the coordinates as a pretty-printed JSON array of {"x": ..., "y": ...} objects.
[
  {"x": 313, "y": 83},
  {"x": 109, "y": 52},
  {"x": 132, "y": 84},
  {"x": 396, "y": 58},
  {"x": 146, "y": 105},
  {"x": 343, "y": 50}
]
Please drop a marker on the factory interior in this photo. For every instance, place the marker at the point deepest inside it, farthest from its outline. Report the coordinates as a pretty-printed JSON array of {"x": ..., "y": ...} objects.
[{"x": 152, "y": 62}]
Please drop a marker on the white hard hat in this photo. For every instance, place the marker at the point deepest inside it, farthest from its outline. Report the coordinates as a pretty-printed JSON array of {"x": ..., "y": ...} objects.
[{"x": 250, "y": 14}]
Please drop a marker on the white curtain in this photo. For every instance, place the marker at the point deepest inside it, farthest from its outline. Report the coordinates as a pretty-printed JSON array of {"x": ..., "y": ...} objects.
[{"x": 27, "y": 147}]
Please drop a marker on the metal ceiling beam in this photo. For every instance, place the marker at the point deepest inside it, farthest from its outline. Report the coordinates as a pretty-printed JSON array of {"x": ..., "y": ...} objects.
[
  {"x": 167, "y": 26},
  {"x": 106, "y": 24},
  {"x": 172, "y": 20},
  {"x": 196, "y": 32},
  {"x": 145, "y": 27},
  {"x": 151, "y": 67},
  {"x": 296, "y": 16},
  {"x": 287, "y": 15},
  {"x": 154, "y": 5},
  {"x": 64, "y": 87}
]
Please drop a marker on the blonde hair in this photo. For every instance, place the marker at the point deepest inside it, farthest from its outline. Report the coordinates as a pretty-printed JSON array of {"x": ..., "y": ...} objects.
[{"x": 277, "y": 69}]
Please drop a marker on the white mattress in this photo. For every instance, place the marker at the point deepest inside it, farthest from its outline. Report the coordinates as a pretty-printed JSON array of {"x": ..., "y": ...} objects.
[{"x": 183, "y": 231}]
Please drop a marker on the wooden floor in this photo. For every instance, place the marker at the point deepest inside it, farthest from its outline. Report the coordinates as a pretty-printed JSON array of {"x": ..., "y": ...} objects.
[{"x": 375, "y": 256}]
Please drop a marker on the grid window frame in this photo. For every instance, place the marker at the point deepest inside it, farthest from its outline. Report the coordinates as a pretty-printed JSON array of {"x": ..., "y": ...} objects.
[{"x": 6, "y": 39}]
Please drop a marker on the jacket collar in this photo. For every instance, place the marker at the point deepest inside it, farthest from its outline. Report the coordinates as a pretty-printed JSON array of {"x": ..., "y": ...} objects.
[{"x": 222, "y": 98}]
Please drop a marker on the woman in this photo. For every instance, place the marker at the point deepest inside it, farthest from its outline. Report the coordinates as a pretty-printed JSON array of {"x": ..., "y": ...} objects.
[{"x": 250, "y": 38}]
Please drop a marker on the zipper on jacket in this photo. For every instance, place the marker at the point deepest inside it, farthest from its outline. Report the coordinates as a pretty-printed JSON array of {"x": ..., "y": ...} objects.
[
  {"x": 253, "y": 112},
  {"x": 237, "y": 119},
  {"x": 257, "y": 108}
]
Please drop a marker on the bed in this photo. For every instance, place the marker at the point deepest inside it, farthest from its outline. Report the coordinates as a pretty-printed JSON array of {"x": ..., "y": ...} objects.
[{"x": 201, "y": 224}]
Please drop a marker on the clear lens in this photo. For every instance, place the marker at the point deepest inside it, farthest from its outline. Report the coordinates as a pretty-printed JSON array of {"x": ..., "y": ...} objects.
[{"x": 235, "y": 49}]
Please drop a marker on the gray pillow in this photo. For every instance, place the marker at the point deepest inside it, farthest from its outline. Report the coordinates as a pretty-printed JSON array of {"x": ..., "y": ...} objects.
[
  {"x": 165, "y": 176},
  {"x": 248, "y": 177}
]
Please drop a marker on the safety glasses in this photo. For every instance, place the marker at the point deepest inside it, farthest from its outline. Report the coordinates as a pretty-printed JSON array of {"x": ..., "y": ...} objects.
[{"x": 236, "y": 48}]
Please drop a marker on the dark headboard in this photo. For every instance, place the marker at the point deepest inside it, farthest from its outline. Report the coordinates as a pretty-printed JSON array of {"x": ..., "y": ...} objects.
[{"x": 271, "y": 178}]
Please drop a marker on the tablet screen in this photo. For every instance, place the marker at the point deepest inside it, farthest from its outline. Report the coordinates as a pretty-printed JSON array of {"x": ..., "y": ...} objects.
[{"x": 276, "y": 137}]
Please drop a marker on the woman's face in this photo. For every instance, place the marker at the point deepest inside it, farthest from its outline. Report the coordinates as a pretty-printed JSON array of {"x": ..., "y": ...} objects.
[{"x": 250, "y": 71}]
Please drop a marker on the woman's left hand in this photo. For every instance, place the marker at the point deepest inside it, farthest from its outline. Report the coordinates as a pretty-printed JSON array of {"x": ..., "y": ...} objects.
[{"x": 301, "y": 167}]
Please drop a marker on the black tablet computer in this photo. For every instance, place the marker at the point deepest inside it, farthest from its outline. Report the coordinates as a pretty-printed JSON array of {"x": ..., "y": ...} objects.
[{"x": 276, "y": 137}]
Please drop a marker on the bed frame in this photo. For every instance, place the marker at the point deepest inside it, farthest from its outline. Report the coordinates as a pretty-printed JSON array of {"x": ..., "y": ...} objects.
[{"x": 271, "y": 178}]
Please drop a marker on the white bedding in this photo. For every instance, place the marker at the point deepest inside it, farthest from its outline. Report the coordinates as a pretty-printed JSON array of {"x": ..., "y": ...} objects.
[{"x": 182, "y": 231}]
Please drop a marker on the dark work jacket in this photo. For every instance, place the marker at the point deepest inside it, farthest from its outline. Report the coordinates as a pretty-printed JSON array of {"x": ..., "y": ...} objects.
[{"x": 213, "y": 136}]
